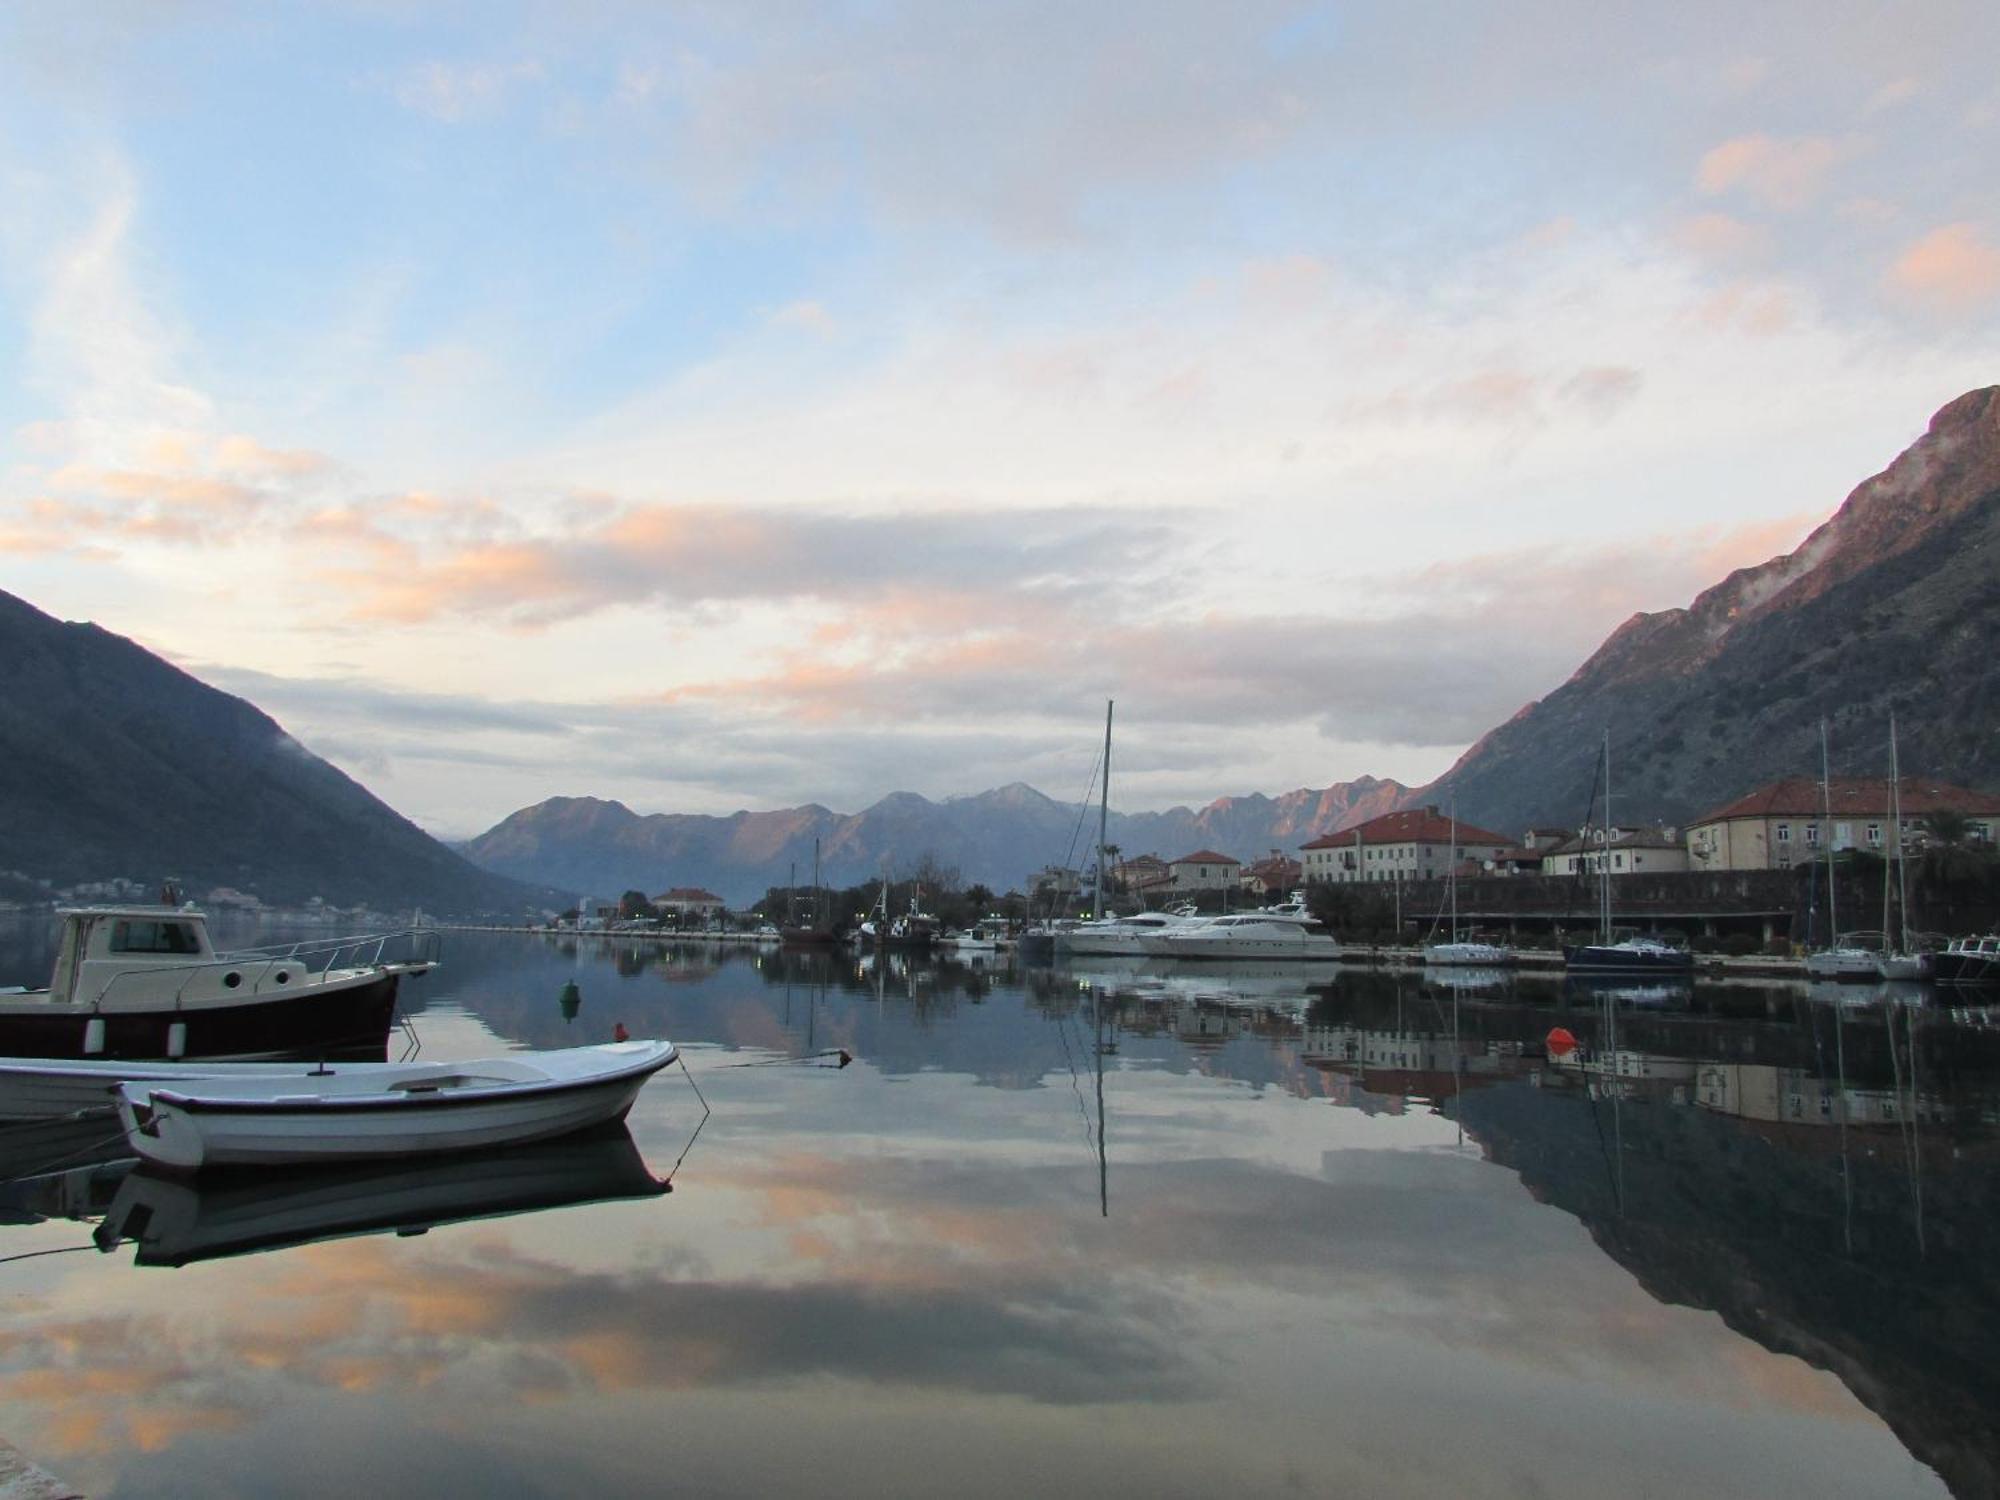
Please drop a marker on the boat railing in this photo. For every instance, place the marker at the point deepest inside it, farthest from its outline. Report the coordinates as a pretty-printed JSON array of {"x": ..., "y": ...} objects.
[{"x": 314, "y": 959}]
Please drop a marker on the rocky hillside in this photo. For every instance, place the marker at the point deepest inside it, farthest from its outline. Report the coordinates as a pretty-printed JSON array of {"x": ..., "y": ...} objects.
[
  {"x": 1892, "y": 605},
  {"x": 115, "y": 764},
  {"x": 998, "y": 838}
]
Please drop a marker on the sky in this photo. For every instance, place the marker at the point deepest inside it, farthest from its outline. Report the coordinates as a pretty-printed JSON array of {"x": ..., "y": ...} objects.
[{"x": 721, "y": 407}]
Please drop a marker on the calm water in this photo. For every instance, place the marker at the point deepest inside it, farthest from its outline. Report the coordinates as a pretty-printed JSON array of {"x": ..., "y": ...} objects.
[{"x": 1322, "y": 1234}]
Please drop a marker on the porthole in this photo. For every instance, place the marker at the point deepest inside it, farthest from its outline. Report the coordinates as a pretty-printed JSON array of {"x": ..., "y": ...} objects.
[
  {"x": 280, "y": 977},
  {"x": 231, "y": 980}
]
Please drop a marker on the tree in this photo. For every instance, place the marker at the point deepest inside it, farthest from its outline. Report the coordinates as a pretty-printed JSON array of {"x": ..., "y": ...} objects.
[{"x": 634, "y": 904}]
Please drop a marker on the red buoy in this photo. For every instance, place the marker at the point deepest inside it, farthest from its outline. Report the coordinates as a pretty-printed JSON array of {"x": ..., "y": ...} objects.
[
  {"x": 620, "y": 1034},
  {"x": 1561, "y": 1042}
]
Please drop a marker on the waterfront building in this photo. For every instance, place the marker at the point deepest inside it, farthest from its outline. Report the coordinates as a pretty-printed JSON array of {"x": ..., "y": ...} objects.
[
  {"x": 1414, "y": 844},
  {"x": 1784, "y": 823},
  {"x": 1627, "y": 851},
  {"x": 1204, "y": 870},
  {"x": 685, "y": 901}
]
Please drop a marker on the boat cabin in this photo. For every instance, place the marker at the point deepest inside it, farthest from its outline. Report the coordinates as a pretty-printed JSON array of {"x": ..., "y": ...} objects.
[{"x": 98, "y": 943}]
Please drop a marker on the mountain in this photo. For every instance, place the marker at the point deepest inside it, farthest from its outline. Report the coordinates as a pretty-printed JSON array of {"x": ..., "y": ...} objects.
[
  {"x": 115, "y": 764},
  {"x": 1892, "y": 606},
  {"x": 997, "y": 838}
]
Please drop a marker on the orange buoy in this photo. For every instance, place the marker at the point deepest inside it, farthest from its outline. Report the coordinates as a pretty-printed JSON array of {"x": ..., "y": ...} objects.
[{"x": 1561, "y": 1042}]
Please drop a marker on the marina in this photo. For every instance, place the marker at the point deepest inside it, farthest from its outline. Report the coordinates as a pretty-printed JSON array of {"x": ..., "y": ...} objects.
[{"x": 1167, "y": 1226}]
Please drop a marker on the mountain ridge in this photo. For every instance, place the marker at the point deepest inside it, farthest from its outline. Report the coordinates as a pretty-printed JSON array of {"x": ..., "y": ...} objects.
[
  {"x": 1709, "y": 700},
  {"x": 115, "y": 763}
]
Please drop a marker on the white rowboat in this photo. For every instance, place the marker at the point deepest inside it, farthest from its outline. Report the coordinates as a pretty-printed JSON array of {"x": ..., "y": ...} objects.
[{"x": 375, "y": 1110}]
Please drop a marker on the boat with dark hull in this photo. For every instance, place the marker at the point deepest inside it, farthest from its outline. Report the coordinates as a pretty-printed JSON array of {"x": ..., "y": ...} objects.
[
  {"x": 145, "y": 982},
  {"x": 1632, "y": 955},
  {"x": 1969, "y": 960}
]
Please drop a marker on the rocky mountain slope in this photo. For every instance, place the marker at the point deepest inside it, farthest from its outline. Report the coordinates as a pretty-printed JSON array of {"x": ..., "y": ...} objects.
[
  {"x": 115, "y": 764},
  {"x": 1892, "y": 605},
  {"x": 998, "y": 838}
]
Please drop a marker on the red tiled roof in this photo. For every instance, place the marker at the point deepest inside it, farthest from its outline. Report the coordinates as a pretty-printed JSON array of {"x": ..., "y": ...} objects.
[
  {"x": 1206, "y": 857},
  {"x": 1414, "y": 825},
  {"x": 689, "y": 893},
  {"x": 1853, "y": 797}
]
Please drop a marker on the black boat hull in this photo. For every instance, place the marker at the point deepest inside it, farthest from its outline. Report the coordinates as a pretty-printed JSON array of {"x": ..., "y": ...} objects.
[
  {"x": 1591, "y": 958},
  {"x": 349, "y": 1021}
]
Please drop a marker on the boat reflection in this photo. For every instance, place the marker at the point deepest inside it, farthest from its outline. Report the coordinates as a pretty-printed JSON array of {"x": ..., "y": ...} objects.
[{"x": 175, "y": 1222}]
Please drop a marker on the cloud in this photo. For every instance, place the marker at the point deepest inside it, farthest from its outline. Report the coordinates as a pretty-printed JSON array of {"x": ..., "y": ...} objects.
[
  {"x": 1950, "y": 270},
  {"x": 1780, "y": 173},
  {"x": 1723, "y": 238},
  {"x": 680, "y": 555},
  {"x": 455, "y": 92}
]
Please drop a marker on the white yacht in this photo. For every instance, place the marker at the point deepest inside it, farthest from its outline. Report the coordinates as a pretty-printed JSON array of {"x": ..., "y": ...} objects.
[
  {"x": 1123, "y": 937},
  {"x": 1275, "y": 932}
]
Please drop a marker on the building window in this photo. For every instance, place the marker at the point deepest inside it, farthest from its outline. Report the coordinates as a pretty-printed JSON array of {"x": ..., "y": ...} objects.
[
  {"x": 1812, "y": 835},
  {"x": 1875, "y": 835},
  {"x": 1784, "y": 833}
]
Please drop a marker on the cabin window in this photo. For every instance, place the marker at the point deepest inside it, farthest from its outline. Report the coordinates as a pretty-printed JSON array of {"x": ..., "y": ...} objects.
[{"x": 154, "y": 937}]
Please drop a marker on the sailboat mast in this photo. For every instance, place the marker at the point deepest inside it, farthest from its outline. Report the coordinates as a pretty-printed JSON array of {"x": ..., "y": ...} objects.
[
  {"x": 1826, "y": 803},
  {"x": 1103, "y": 815},
  {"x": 1604, "y": 854},
  {"x": 1451, "y": 868},
  {"x": 1896, "y": 832},
  {"x": 816, "y": 916}
]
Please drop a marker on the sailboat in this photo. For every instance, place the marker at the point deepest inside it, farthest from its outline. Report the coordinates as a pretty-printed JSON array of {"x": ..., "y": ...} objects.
[
  {"x": 815, "y": 932},
  {"x": 1458, "y": 950},
  {"x": 1848, "y": 961},
  {"x": 1902, "y": 961},
  {"x": 1630, "y": 954}
]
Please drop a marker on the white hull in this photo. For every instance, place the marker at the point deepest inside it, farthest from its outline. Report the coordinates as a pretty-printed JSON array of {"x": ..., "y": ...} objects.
[
  {"x": 387, "y": 1110},
  {"x": 42, "y": 1088},
  {"x": 1474, "y": 955},
  {"x": 1858, "y": 965}
]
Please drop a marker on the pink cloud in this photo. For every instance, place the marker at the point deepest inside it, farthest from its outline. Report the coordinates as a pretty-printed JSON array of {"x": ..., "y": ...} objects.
[
  {"x": 1782, "y": 173},
  {"x": 1949, "y": 270}
]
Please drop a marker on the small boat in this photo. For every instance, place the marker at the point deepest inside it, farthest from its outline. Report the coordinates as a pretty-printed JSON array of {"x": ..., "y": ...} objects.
[
  {"x": 146, "y": 982},
  {"x": 1968, "y": 960},
  {"x": 38, "y": 1088},
  {"x": 377, "y": 1110},
  {"x": 1631, "y": 955},
  {"x": 1611, "y": 953},
  {"x": 1459, "y": 951},
  {"x": 1851, "y": 960}
]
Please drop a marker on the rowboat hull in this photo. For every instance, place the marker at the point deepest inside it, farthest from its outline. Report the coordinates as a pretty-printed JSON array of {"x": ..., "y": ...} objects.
[{"x": 288, "y": 1123}]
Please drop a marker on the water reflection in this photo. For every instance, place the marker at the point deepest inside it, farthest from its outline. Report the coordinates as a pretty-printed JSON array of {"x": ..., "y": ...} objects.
[{"x": 1115, "y": 1228}]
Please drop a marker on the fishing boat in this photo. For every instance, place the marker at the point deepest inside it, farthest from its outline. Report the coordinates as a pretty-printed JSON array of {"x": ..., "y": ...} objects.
[
  {"x": 379, "y": 1110},
  {"x": 172, "y": 1221},
  {"x": 147, "y": 982},
  {"x": 1968, "y": 960},
  {"x": 1612, "y": 953}
]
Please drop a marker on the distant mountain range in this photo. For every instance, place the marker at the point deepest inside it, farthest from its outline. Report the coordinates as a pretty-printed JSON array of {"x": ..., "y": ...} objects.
[
  {"x": 115, "y": 764},
  {"x": 112, "y": 762},
  {"x": 998, "y": 838},
  {"x": 1892, "y": 606}
]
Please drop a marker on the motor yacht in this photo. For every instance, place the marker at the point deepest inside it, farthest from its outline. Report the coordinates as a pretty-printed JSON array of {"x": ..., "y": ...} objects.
[{"x": 1287, "y": 931}]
